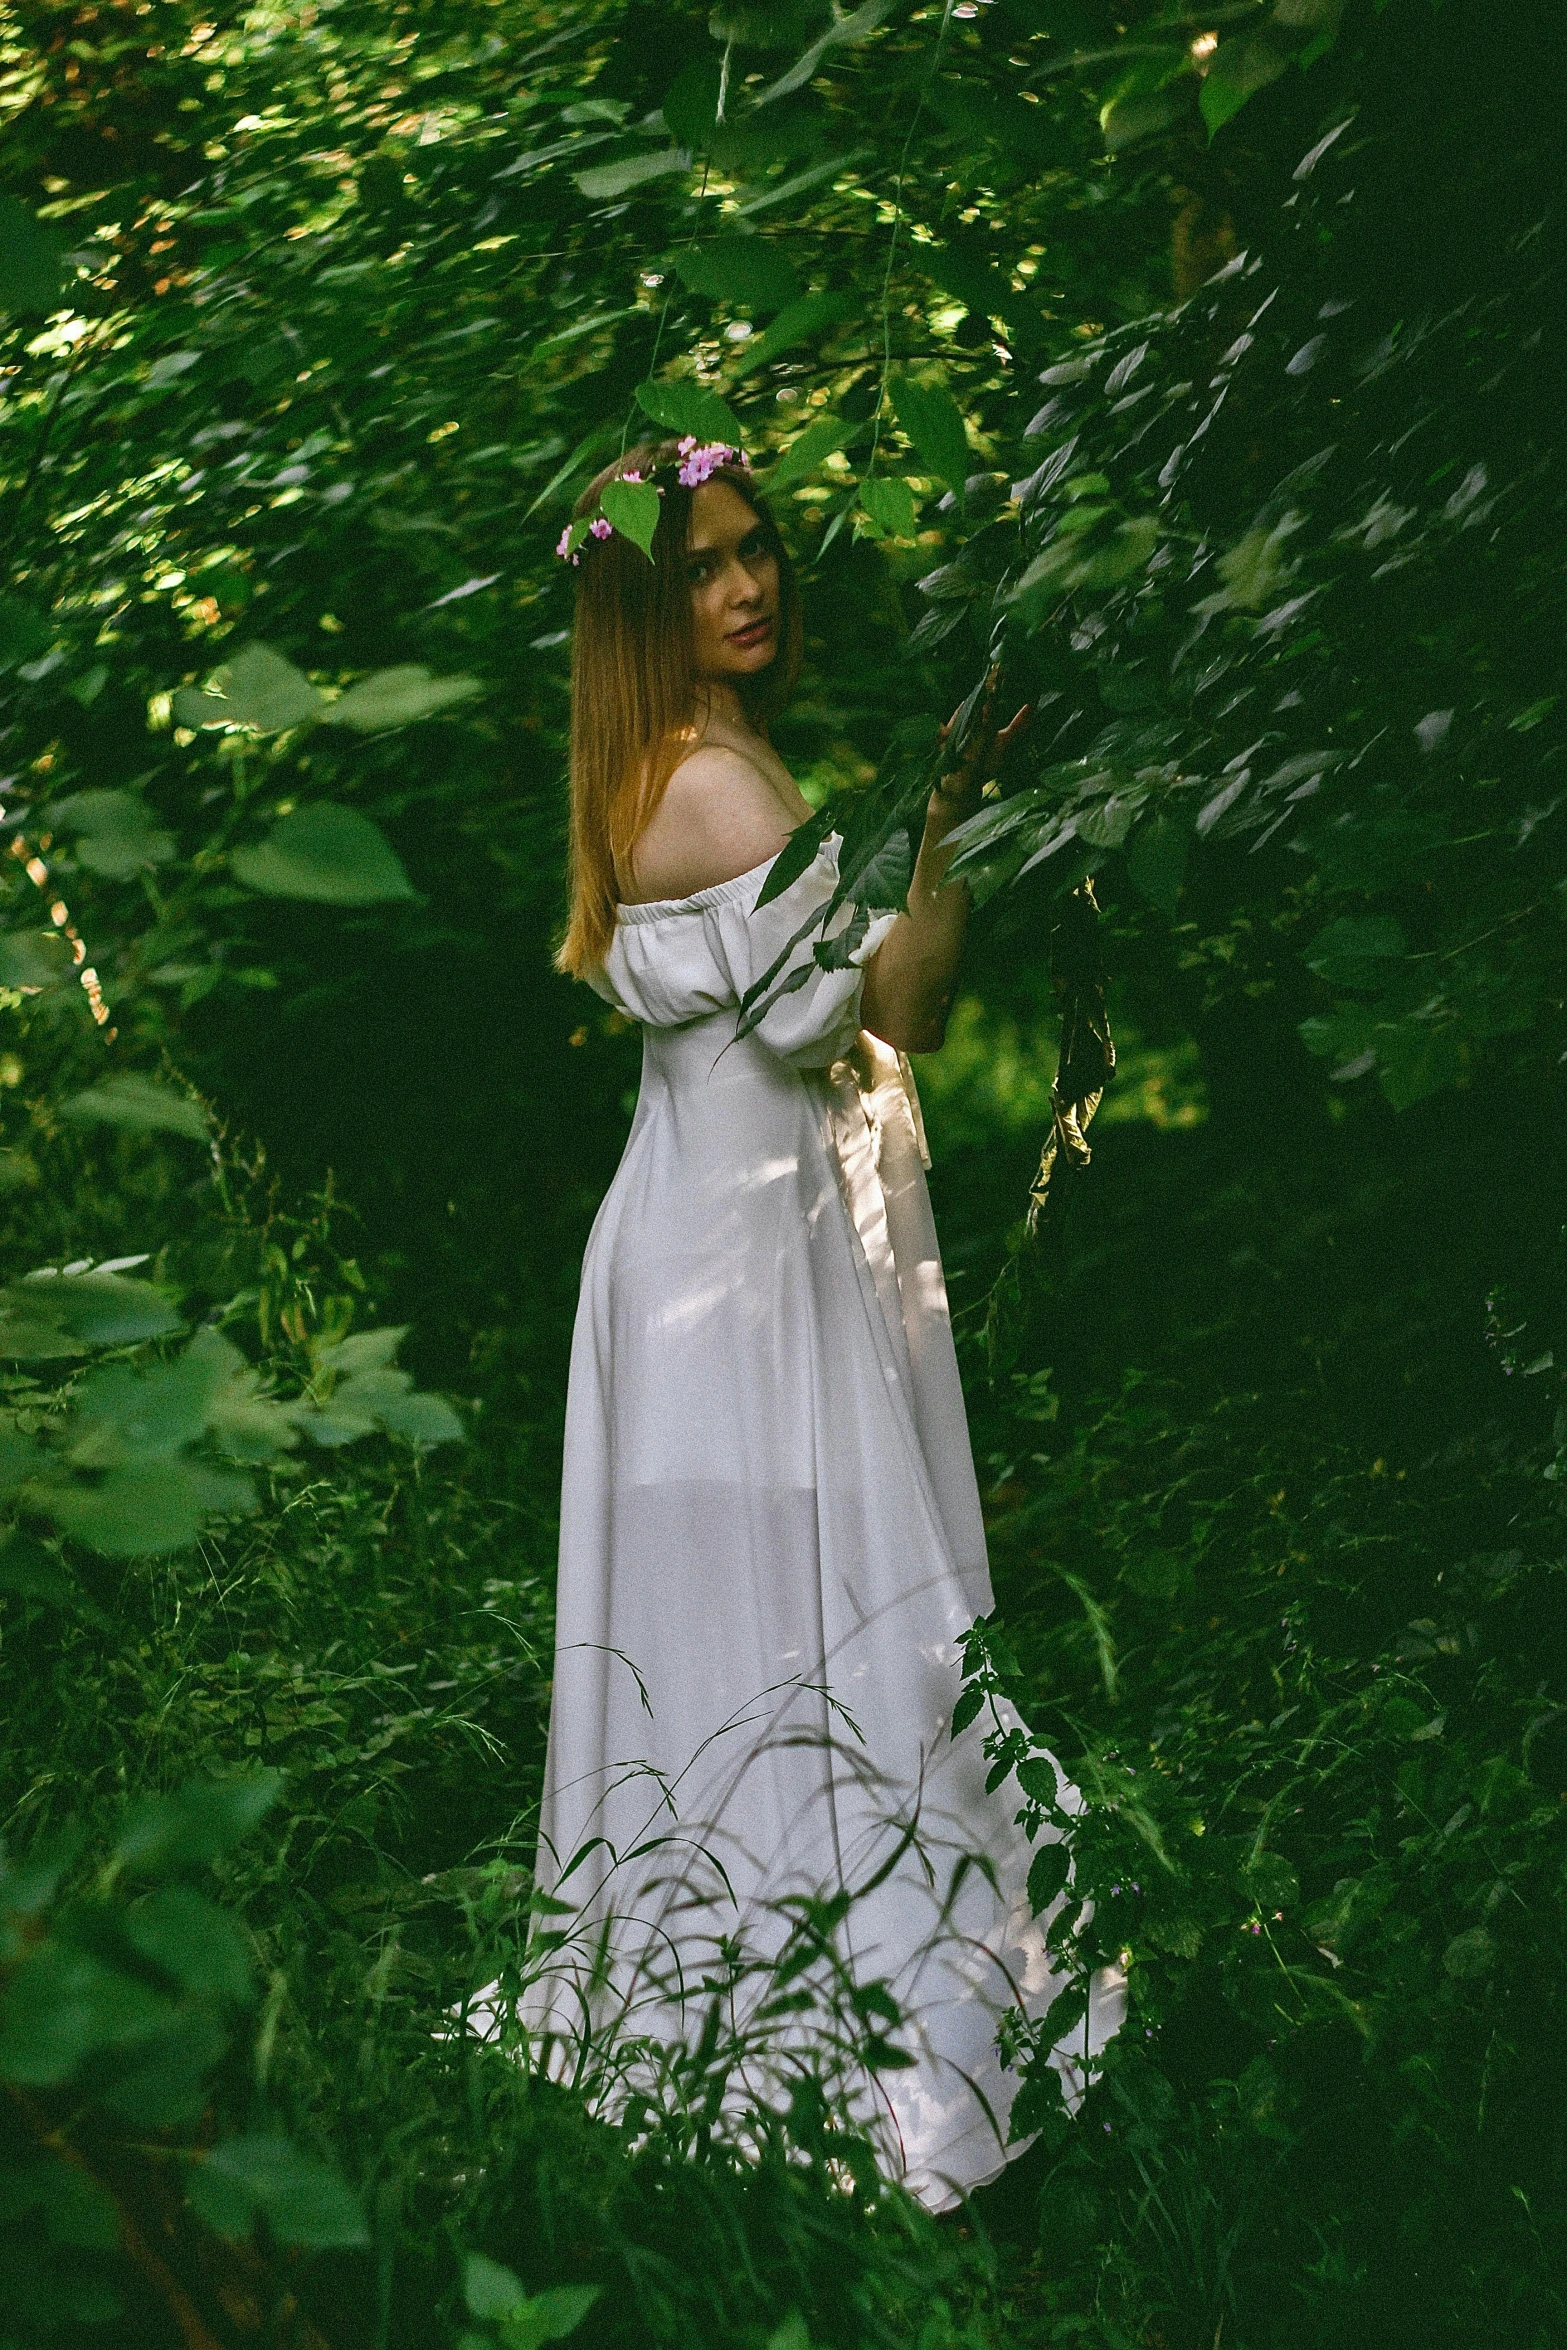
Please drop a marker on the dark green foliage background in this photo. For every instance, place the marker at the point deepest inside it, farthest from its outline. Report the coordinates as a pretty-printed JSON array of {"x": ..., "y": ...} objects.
[{"x": 1271, "y": 1423}]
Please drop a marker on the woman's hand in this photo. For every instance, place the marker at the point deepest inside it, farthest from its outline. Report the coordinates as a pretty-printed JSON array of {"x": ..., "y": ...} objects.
[
  {"x": 910, "y": 979},
  {"x": 987, "y": 746}
]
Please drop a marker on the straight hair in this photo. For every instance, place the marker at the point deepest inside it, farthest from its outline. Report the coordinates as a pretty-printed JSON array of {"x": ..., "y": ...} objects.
[{"x": 634, "y": 693}]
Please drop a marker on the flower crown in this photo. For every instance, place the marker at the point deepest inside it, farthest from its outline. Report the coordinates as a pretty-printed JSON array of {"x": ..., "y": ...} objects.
[{"x": 636, "y": 520}]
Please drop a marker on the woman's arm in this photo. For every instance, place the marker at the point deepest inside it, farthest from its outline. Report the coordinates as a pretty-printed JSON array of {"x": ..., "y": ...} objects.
[{"x": 910, "y": 979}]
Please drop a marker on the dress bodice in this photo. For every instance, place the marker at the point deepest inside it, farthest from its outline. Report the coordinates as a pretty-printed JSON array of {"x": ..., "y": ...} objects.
[{"x": 675, "y": 960}]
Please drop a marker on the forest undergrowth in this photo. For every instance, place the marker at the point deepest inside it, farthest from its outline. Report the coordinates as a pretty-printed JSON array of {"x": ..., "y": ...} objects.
[{"x": 1208, "y": 380}]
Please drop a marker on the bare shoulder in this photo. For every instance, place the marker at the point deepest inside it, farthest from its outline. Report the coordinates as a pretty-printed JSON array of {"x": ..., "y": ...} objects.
[{"x": 719, "y": 817}]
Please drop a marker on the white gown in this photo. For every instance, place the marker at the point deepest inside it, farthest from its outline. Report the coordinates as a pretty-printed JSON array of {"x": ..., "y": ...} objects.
[{"x": 770, "y": 1547}]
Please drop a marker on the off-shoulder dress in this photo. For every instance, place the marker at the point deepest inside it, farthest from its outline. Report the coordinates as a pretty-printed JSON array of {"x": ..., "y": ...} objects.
[{"x": 770, "y": 1548}]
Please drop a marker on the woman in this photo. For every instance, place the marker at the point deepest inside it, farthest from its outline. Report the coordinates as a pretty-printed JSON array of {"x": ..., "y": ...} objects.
[{"x": 770, "y": 1539}]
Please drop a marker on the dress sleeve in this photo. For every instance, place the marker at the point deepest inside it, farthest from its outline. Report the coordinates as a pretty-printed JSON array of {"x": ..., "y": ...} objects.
[{"x": 814, "y": 1016}]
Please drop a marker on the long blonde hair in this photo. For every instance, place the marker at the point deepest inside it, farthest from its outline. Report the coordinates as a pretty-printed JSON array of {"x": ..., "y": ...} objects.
[{"x": 633, "y": 690}]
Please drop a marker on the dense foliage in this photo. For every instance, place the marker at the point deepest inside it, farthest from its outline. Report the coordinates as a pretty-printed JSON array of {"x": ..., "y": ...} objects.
[{"x": 1204, "y": 374}]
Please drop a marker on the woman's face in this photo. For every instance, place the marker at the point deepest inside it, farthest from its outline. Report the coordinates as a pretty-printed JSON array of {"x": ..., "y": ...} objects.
[{"x": 734, "y": 585}]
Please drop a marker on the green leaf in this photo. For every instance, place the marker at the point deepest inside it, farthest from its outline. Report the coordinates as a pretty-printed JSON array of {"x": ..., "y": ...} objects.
[
  {"x": 397, "y": 697},
  {"x": 1156, "y": 860},
  {"x": 883, "y": 882},
  {"x": 548, "y": 2317},
  {"x": 123, "y": 1415},
  {"x": 799, "y": 852},
  {"x": 303, "y": 2202},
  {"x": 1270, "y": 1881},
  {"x": 201, "y": 1947},
  {"x": 364, "y": 1350},
  {"x": 633, "y": 508},
  {"x": 1142, "y": 114},
  {"x": 116, "y": 833},
  {"x": 30, "y": 1572},
  {"x": 1047, "y": 1875},
  {"x": 34, "y": 958},
  {"x": 380, "y": 1397},
  {"x": 751, "y": 272},
  {"x": 72, "y": 2208},
  {"x": 24, "y": 633},
  {"x": 258, "y": 690},
  {"x": 810, "y": 449},
  {"x": 690, "y": 408},
  {"x": 802, "y": 322},
  {"x": 1355, "y": 950},
  {"x": 142, "y": 1105},
  {"x": 328, "y": 854},
  {"x": 891, "y": 505},
  {"x": 490, "y": 2290},
  {"x": 421, "y": 1419},
  {"x": 1469, "y": 1955},
  {"x": 84, "y": 1309},
  {"x": 690, "y": 107},
  {"x": 206, "y": 1817},
  {"x": 164, "y": 2084},
  {"x": 144, "y": 1507},
  {"x": 793, "y": 2334},
  {"x": 931, "y": 418},
  {"x": 1298, "y": 31},
  {"x": 64, "y": 2005},
  {"x": 32, "y": 259},
  {"x": 603, "y": 182},
  {"x": 856, "y": 26}
]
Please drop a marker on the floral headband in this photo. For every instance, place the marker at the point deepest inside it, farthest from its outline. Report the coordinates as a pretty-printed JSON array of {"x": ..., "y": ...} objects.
[{"x": 632, "y": 499}]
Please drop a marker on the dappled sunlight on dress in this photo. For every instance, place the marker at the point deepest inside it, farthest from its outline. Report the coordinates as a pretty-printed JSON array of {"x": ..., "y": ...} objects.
[{"x": 771, "y": 1546}]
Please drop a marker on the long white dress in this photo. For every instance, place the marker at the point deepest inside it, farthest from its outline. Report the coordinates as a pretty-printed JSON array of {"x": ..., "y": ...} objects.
[{"x": 770, "y": 1547}]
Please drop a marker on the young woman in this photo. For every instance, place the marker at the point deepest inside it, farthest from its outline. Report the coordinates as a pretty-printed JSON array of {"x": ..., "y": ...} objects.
[{"x": 770, "y": 1537}]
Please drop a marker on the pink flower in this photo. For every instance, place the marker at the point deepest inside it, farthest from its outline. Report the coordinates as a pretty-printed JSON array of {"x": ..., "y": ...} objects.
[
  {"x": 703, "y": 459},
  {"x": 600, "y": 528},
  {"x": 563, "y": 543},
  {"x": 630, "y": 475}
]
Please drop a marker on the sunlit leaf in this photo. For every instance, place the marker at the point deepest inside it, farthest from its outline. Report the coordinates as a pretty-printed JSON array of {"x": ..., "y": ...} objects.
[
  {"x": 810, "y": 449},
  {"x": 603, "y": 182},
  {"x": 258, "y": 690},
  {"x": 891, "y": 505},
  {"x": 801, "y": 322},
  {"x": 690, "y": 408},
  {"x": 116, "y": 833},
  {"x": 857, "y": 25},
  {"x": 633, "y": 507},
  {"x": 397, "y": 697},
  {"x": 490, "y": 2290},
  {"x": 90, "y": 1309},
  {"x": 933, "y": 421}
]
